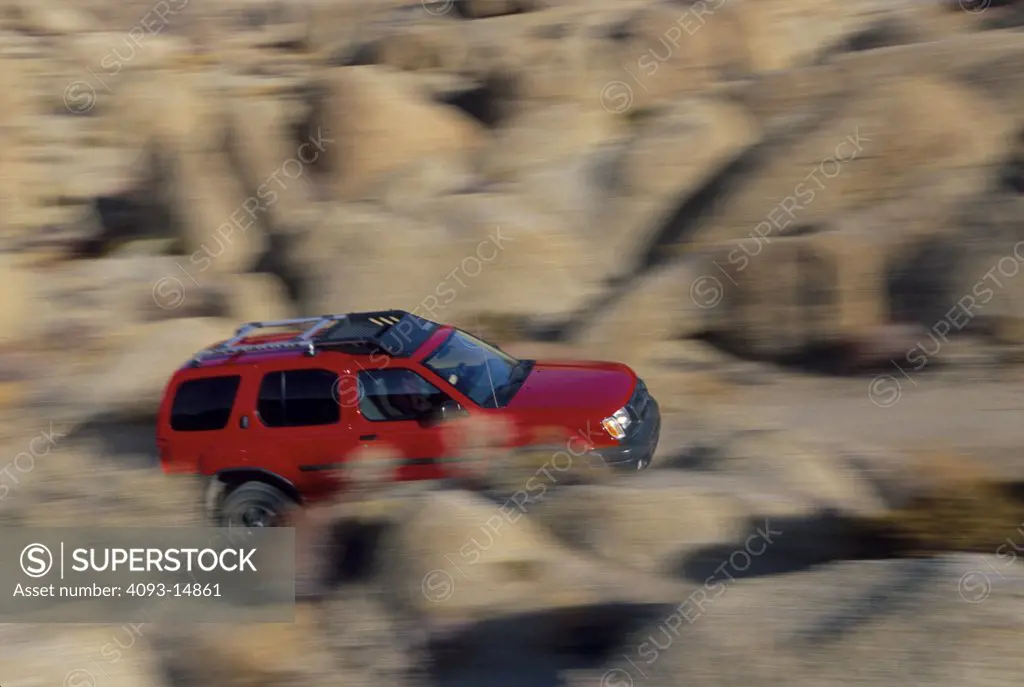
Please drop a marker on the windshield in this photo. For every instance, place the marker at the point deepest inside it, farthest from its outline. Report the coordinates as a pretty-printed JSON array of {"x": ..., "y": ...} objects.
[{"x": 474, "y": 367}]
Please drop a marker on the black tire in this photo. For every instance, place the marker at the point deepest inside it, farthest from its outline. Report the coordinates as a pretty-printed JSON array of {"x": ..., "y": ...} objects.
[{"x": 254, "y": 504}]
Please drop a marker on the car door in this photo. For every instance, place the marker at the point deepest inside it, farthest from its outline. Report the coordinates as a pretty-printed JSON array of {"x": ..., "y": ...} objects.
[
  {"x": 395, "y": 407},
  {"x": 299, "y": 430},
  {"x": 198, "y": 430}
]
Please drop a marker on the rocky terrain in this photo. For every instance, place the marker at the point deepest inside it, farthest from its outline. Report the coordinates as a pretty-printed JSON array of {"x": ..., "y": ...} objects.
[{"x": 800, "y": 222}]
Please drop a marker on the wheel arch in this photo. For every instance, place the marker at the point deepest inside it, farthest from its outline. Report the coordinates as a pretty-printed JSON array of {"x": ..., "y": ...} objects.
[{"x": 225, "y": 481}]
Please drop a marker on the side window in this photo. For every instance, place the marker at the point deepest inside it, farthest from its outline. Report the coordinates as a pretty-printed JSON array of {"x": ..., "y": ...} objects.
[
  {"x": 299, "y": 398},
  {"x": 270, "y": 404},
  {"x": 204, "y": 404},
  {"x": 395, "y": 395}
]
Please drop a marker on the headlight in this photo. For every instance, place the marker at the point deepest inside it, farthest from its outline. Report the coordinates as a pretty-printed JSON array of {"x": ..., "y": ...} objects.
[{"x": 617, "y": 424}]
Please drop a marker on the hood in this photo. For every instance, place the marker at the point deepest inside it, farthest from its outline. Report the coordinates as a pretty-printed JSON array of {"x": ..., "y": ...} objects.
[{"x": 594, "y": 385}]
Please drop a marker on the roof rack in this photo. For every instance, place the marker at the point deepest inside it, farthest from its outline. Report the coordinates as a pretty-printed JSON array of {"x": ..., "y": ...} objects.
[{"x": 318, "y": 332}]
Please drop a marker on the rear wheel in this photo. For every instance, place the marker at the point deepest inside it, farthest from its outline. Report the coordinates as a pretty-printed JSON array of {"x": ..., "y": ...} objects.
[{"x": 255, "y": 504}]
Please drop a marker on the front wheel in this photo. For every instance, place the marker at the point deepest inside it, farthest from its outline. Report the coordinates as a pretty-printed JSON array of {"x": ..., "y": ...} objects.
[{"x": 255, "y": 504}]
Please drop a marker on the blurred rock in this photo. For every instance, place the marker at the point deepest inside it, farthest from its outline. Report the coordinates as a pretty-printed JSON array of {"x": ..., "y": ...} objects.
[
  {"x": 854, "y": 621},
  {"x": 360, "y": 273},
  {"x": 872, "y": 149},
  {"x": 518, "y": 260},
  {"x": 414, "y": 189},
  {"x": 655, "y": 308},
  {"x": 371, "y": 645},
  {"x": 670, "y": 164},
  {"x": 23, "y": 289},
  {"x": 257, "y": 297},
  {"x": 546, "y": 134},
  {"x": 218, "y": 219},
  {"x": 262, "y": 654},
  {"x": 461, "y": 559},
  {"x": 51, "y": 18},
  {"x": 782, "y": 35},
  {"x": 264, "y": 142},
  {"x": 69, "y": 656},
  {"x": 478, "y": 9},
  {"x": 677, "y": 151},
  {"x": 133, "y": 382},
  {"x": 182, "y": 111},
  {"x": 649, "y": 526},
  {"x": 376, "y": 122},
  {"x": 801, "y": 465},
  {"x": 431, "y": 45},
  {"x": 781, "y": 296},
  {"x": 658, "y": 53}
]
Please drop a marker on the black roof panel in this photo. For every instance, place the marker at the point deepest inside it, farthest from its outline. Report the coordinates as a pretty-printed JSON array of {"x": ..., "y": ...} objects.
[{"x": 397, "y": 332}]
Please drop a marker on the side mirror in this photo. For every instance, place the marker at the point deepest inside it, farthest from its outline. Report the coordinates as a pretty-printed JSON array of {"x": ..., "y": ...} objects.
[{"x": 448, "y": 410}]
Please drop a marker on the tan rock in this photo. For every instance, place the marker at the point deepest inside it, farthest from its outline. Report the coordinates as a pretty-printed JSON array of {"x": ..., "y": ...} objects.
[
  {"x": 517, "y": 260},
  {"x": 969, "y": 54},
  {"x": 180, "y": 109},
  {"x": 81, "y": 657},
  {"x": 350, "y": 268},
  {"x": 109, "y": 54},
  {"x": 256, "y": 297},
  {"x": 218, "y": 219},
  {"x": 381, "y": 123},
  {"x": 656, "y": 309},
  {"x": 459, "y": 558},
  {"x": 551, "y": 59},
  {"x": 802, "y": 464},
  {"x": 339, "y": 23},
  {"x": 53, "y": 18},
  {"x": 681, "y": 149},
  {"x": 477, "y": 253},
  {"x": 671, "y": 159},
  {"x": 881, "y": 144},
  {"x": 18, "y": 99},
  {"x": 647, "y": 527},
  {"x": 263, "y": 654},
  {"x": 536, "y": 137},
  {"x": 480, "y": 9},
  {"x": 413, "y": 189},
  {"x": 668, "y": 52},
  {"x": 133, "y": 383},
  {"x": 777, "y": 296},
  {"x": 96, "y": 172},
  {"x": 778, "y": 99},
  {"x": 263, "y": 142},
  {"x": 22, "y": 293},
  {"x": 781, "y": 35},
  {"x": 434, "y": 44},
  {"x": 129, "y": 288}
]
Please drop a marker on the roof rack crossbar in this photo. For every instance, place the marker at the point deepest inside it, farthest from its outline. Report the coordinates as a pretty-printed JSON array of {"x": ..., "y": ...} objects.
[
  {"x": 312, "y": 326},
  {"x": 304, "y": 340},
  {"x": 291, "y": 344}
]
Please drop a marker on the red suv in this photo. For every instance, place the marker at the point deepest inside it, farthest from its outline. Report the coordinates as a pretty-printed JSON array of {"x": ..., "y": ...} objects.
[{"x": 271, "y": 417}]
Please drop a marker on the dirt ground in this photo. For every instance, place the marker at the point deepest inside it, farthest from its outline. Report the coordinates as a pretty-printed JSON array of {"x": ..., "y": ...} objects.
[{"x": 980, "y": 418}]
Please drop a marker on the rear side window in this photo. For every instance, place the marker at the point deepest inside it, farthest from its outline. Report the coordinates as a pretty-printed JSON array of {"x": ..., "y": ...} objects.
[
  {"x": 202, "y": 405},
  {"x": 299, "y": 398}
]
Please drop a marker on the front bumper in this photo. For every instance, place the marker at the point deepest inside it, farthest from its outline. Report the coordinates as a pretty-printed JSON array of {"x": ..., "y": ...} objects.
[{"x": 637, "y": 449}]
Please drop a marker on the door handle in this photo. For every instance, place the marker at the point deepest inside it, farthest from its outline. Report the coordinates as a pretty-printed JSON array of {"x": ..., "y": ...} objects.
[{"x": 368, "y": 437}]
